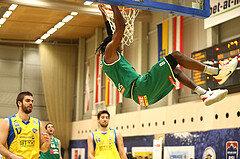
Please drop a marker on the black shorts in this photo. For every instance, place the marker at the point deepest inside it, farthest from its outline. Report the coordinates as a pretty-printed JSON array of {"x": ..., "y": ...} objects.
[{"x": 173, "y": 63}]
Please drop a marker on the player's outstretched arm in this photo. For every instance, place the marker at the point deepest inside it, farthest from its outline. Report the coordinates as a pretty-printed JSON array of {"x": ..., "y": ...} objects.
[
  {"x": 4, "y": 129},
  {"x": 107, "y": 24},
  {"x": 45, "y": 142},
  {"x": 90, "y": 147},
  {"x": 60, "y": 154},
  {"x": 120, "y": 145},
  {"x": 100, "y": 6},
  {"x": 110, "y": 52}
]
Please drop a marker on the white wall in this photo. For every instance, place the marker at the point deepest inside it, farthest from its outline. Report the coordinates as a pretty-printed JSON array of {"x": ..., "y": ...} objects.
[
  {"x": 33, "y": 82},
  {"x": 90, "y": 50},
  {"x": 20, "y": 71},
  {"x": 150, "y": 122}
]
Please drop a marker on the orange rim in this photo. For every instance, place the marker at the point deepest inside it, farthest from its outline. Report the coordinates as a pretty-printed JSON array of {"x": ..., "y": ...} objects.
[{"x": 125, "y": 9}]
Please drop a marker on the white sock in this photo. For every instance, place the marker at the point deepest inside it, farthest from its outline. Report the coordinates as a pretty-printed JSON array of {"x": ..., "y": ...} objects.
[
  {"x": 210, "y": 70},
  {"x": 199, "y": 90}
]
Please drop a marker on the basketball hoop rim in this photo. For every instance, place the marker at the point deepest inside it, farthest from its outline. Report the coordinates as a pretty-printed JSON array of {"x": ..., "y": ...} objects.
[
  {"x": 124, "y": 9},
  {"x": 129, "y": 14}
]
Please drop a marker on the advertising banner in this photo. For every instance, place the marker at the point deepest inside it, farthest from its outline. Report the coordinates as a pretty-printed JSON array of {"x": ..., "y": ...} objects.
[
  {"x": 143, "y": 152},
  {"x": 232, "y": 150},
  {"x": 212, "y": 144},
  {"x": 222, "y": 11},
  {"x": 78, "y": 153},
  {"x": 157, "y": 149},
  {"x": 179, "y": 152}
]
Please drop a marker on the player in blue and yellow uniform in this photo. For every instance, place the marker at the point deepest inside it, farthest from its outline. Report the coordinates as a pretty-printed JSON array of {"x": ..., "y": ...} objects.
[
  {"x": 105, "y": 143},
  {"x": 20, "y": 134}
]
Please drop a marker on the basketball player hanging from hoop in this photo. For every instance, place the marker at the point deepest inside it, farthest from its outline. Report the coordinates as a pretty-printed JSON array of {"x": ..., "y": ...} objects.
[{"x": 160, "y": 80}]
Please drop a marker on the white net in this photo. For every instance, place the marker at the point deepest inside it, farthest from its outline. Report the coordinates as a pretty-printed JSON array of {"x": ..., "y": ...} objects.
[{"x": 129, "y": 15}]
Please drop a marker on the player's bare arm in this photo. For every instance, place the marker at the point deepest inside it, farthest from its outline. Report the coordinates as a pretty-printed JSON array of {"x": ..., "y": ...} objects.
[
  {"x": 100, "y": 6},
  {"x": 121, "y": 146},
  {"x": 107, "y": 24},
  {"x": 4, "y": 129},
  {"x": 45, "y": 142},
  {"x": 60, "y": 154},
  {"x": 110, "y": 52},
  {"x": 90, "y": 147}
]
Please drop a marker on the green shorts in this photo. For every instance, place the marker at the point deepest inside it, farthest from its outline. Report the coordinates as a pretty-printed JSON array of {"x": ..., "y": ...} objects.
[{"x": 153, "y": 86}]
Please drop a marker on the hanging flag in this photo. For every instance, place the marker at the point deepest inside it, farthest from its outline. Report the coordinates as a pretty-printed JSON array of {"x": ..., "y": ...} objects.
[
  {"x": 108, "y": 91},
  {"x": 178, "y": 40},
  {"x": 119, "y": 98},
  {"x": 98, "y": 80},
  {"x": 162, "y": 39},
  {"x": 86, "y": 105}
]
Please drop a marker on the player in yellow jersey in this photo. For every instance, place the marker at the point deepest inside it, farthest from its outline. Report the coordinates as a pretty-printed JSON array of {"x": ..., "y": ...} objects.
[
  {"x": 105, "y": 143},
  {"x": 21, "y": 135}
]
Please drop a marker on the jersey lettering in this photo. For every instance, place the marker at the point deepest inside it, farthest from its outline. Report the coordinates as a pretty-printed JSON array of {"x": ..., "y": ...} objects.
[
  {"x": 27, "y": 143},
  {"x": 19, "y": 130},
  {"x": 171, "y": 79},
  {"x": 142, "y": 100},
  {"x": 162, "y": 63},
  {"x": 121, "y": 88},
  {"x": 34, "y": 130},
  {"x": 98, "y": 139},
  {"x": 53, "y": 145}
]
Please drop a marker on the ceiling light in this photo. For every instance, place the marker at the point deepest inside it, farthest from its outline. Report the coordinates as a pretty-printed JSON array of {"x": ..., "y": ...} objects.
[
  {"x": 45, "y": 36},
  {"x": 74, "y": 13},
  {"x": 59, "y": 25},
  {"x": 51, "y": 31},
  {"x": 56, "y": 27},
  {"x": 67, "y": 18},
  {"x": 7, "y": 14},
  {"x": 2, "y": 20},
  {"x": 12, "y": 7},
  {"x": 87, "y": 3},
  {"x": 38, "y": 41}
]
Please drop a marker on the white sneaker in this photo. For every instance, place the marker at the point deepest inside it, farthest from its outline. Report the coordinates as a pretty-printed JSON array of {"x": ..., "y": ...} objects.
[
  {"x": 214, "y": 96},
  {"x": 226, "y": 71}
]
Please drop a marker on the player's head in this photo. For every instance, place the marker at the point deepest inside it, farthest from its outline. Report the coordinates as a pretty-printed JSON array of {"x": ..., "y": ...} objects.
[
  {"x": 101, "y": 48},
  {"x": 103, "y": 118},
  {"x": 50, "y": 128},
  {"x": 103, "y": 45},
  {"x": 25, "y": 101}
]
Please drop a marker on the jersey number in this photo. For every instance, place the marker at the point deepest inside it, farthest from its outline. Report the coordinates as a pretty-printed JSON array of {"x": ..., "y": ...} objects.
[
  {"x": 98, "y": 139},
  {"x": 18, "y": 129},
  {"x": 162, "y": 63}
]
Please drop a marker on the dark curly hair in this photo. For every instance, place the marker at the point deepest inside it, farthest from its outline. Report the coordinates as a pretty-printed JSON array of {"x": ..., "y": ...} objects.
[{"x": 102, "y": 46}]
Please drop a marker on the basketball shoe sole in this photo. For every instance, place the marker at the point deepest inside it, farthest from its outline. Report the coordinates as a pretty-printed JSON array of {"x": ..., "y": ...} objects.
[
  {"x": 226, "y": 71},
  {"x": 211, "y": 97}
]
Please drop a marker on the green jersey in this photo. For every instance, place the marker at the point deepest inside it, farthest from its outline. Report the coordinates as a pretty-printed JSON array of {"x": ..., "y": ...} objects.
[
  {"x": 143, "y": 89},
  {"x": 53, "y": 152},
  {"x": 122, "y": 74}
]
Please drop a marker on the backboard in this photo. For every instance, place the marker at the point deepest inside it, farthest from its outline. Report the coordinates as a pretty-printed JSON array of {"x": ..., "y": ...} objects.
[{"x": 190, "y": 8}]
